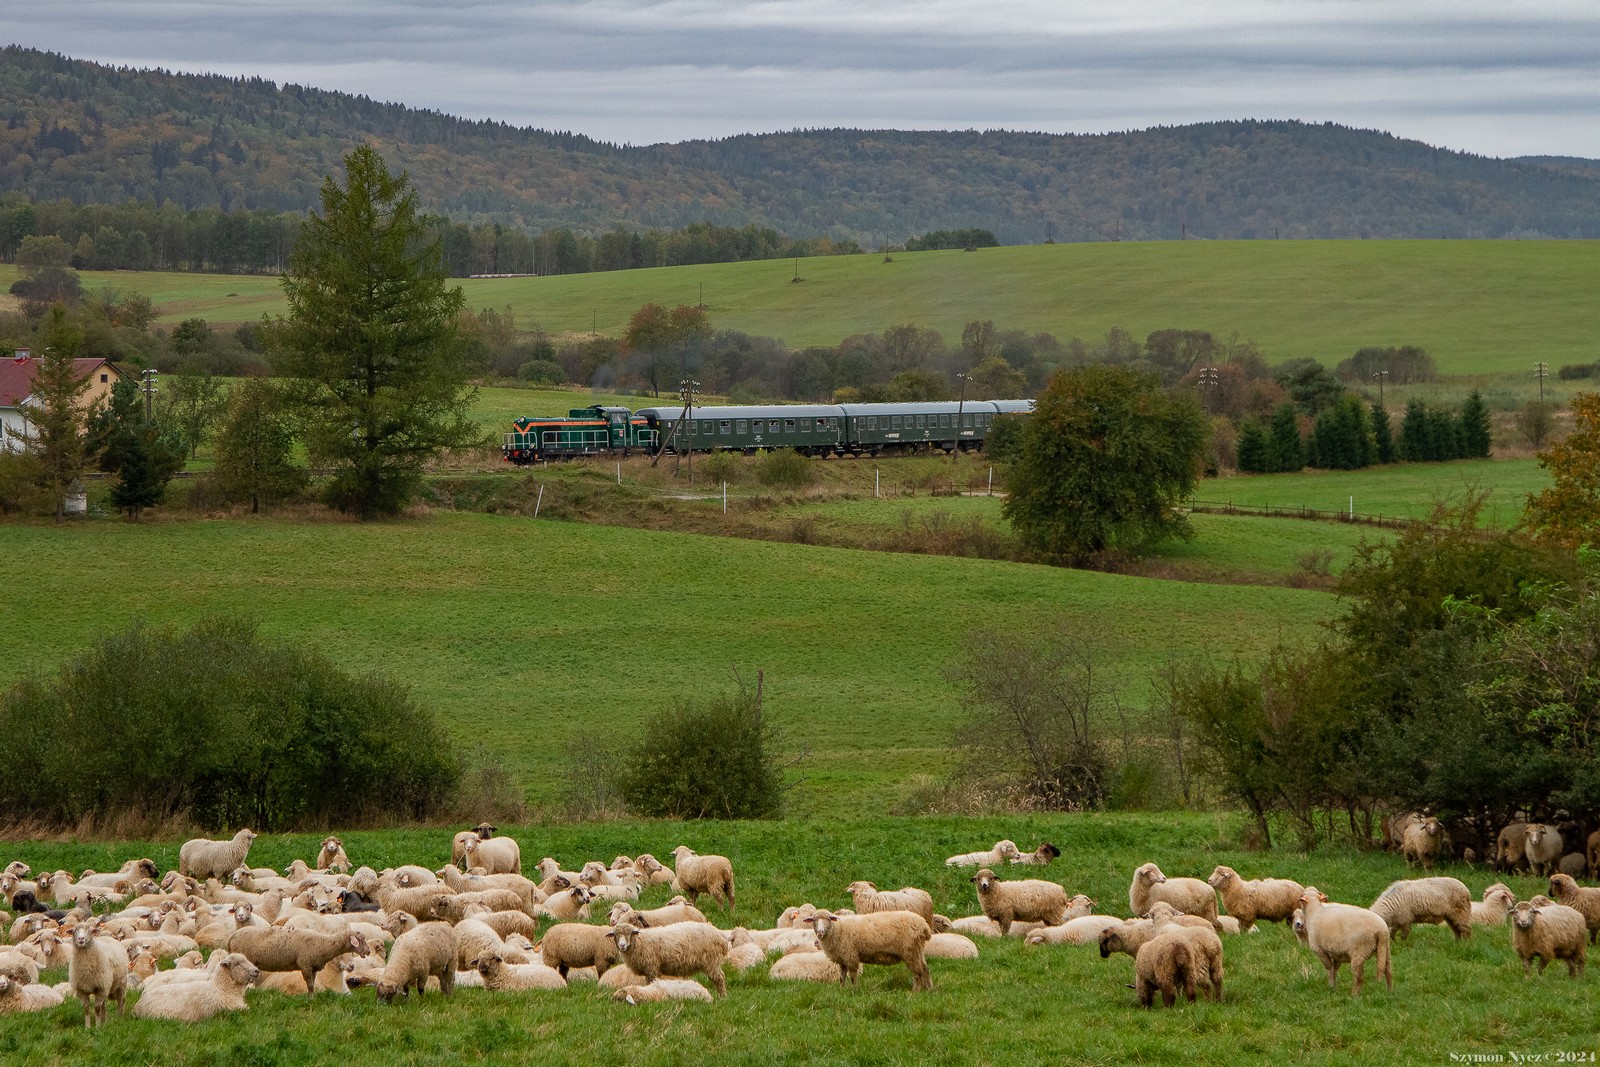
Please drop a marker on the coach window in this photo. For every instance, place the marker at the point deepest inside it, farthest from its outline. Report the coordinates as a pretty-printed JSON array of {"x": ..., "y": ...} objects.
[
  {"x": 896, "y": 421},
  {"x": 922, "y": 422},
  {"x": 724, "y": 426},
  {"x": 744, "y": 425},
  {"x": 788, "y": 426}
]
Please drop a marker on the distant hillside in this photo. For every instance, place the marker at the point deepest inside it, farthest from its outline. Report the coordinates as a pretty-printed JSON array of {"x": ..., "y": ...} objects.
[{"x": 96, "y": 134}]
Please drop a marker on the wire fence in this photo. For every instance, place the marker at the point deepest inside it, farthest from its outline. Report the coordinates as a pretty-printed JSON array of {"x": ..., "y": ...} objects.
[{"x": 1280, "y": 511}]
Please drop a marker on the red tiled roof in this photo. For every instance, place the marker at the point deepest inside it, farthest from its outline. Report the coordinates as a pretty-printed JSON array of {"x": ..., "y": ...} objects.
[{"x": 16, "y": 377}]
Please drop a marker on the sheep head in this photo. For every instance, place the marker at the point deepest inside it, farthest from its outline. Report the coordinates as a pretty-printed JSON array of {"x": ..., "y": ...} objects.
[
  {"x": 1150, "y": 874},
  {"x": 680, "y": 852},
  {"x": 984, "y": 880},
  {"x": 1007, "y": 850},
  {"x": 821, "y": 923},
  {"x": 624, "y": 935},
  {"x": 1221, "y": 877},
  {"x": 83, "y": 934},
  {"x": 1524, "y": 915}
]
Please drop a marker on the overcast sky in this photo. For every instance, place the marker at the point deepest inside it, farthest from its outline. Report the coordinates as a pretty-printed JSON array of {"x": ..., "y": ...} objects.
[{"x": 1510, "y": 77}]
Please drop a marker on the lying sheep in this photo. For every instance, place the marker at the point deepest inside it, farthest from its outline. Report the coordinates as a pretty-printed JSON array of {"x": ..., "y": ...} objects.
[
  {"x": 665, "y": 989},
  {"x": 500, "y": 975},
  {"x": 1084, "y": 930},
  {"x": 191, "y": 1002},
  {"x": 869, "y": 899},
  {"x": 569, "y": 945},
  {"x": 1549, "y": 932},
  {"x": 334, "y": 978},
  {"x": 1445, "y": 901},
  {"x": 695, "y": 874},
  {"x": 1189, "y": 895},
  {"x": 1167, "y": 964},
  {"x": 1542, "y": 847},
  {"x": 15, "y": 997},
  {"x": 743, "y": 952},
  {"x": 1025, "y": 900},
  {"x": 1585, "y": 902},
  {"x": 1042, "y": 856},
  {"x": 795, "y": 916},
  {"x": 1267, "y": 899},
  {"x": 665, "y": 915},
  {"x": 805, "y": 967},
  {"x": 20, "y": 966},
  {"x": 652, "y": 870},
  {"x": 1497, "y": 902},
  {"x": 425, "y": 951},
  {"x": 1002, "y": 852},
  {"x": 566, "y": 906},
  {"x": 883, "y": 938},
  {"x": 676, "y": 951},
  {"x": 1338, "y": 933},
  {"x": 1423, "y": 842},
  {"x": 948, "y": 946},
  {"x": 306, "y": 951},
  {"x": 202, "y": 857},
  {"x": 97, "y": 970}
]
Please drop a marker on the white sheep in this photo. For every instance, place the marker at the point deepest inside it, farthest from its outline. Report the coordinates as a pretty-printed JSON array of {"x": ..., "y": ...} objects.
[
  {"x": 1267, "y": 899},
  {"x": 969, "y": 925},
  {"x": 1497, "y": 902},
  {"x": 15, "y": 997},
  {"x": 883, "y": 938},
  {"x": 1189, "y": 895},
  {"x": 743, "y": 951},
  {"x": 676, "y": 951},
  {"x": 1541, "y": 846},
  {"x": 1024, "y": 900},
  {"x": 949, "y": 946},
  {"x": 499, "y": 975},
  {"x": 20, "y": 966},
  {"x": 1340, "y": 933},
  {"x": 1128, "y": 937},
  {"x": 474, "y": 939},
  {"x": 334, "y": 978},
  {"x": 202, "y": 857},
  {"x": 695, "y": 874},
  {"x": 97, "y": 969},
  {"x": 567, "y": 906},
  {"x": 652, "y": 870},
  {"x": 663, "y": 990},
  {"x": 665, "y": 915},
  {"x": 1423, "y": 841},
  {"x": 805, "y": 967},
  {"x": 868, "y": 899},
  {"x": 497, "y": 855},
  {"x": 567, "y": 946},
  {"x": 331, "y": 856},
  {"x": 1585, "y": 902},
  {"x": 223, "y": 990},
  {"x": 1002, "y": 852},
  {"x": 1445, "y": 901},
  {"x": 306, "y": 951},
  {"x": 428, "y": 950},
  {"x": 1084, "y": 930},
  {"x": 1549, "y": 932}
]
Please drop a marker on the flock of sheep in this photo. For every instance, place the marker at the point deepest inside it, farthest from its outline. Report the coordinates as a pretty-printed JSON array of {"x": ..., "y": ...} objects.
[{"x": 323, "y": 926}]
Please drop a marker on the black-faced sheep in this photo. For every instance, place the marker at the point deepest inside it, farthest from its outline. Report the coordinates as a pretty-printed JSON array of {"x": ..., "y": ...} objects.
[
  {"x": 1002, "y": 852},
  {"x": 1444, "y": 901},
  {"x": 1549, "y": 932},
  {"x": 1042, "y": 856},
  {"x": 1024, "y": 900},
  {"x": 1189, "y": 895},
  {"x": 202, "y": 857},
  {"x": 1164, "y": 963},
  {"x": 428, "y": 950},
  {"x": 676, "y": 951},
  {"x": 1585, "y": 902},
  {"x": 1266, "y": 899},
  {"x": 97, "y": 969},
  {"x": 1340, "y": 933},
  {"x": 883, "y": 938},
  {"x": 695, "y": 874},
  {"x": 868, "y": 899},
  {"x": 1424, "y": 841},
  {"x": 222, "y": 990}
]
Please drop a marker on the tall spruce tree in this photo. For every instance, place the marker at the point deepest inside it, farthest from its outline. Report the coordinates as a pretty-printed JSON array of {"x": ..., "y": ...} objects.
[
  {"x": 371, "y": 339},
  {"x": 1288, "y": 451},
  {"x": 1382, "y": 435},
  {"x": 1254, "y": 449},
  {"x": 134, "y": 448},
  {"x": 1477, "y": 434}
]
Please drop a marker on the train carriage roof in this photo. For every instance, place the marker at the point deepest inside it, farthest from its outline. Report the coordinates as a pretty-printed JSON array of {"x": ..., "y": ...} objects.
[
  {"x": 1013, "y": 406},
  {"x": 759, "y": 411},
  {"x": 928, "y": 407}
]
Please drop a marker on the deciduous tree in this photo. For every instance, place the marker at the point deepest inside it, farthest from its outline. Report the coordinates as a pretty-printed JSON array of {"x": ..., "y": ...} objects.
[
  {"x": 1568, "y": 512},
  {"x": 255, "y": 444}
]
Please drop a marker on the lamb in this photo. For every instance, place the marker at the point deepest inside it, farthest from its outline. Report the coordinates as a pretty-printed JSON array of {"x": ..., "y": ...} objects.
[
  {"x": 676, "y": 951},
  {"x": 498, "y": 855},
  {"x": 665, "y": 915},
  {"x": 331, "y": 856},
  {"x": 882, "y": 938},
  {"x": 1002, "y": 852},
  {"x": 306, "y": 951},
  {"x": 1166, "y": 963},
  {"x": 569, "y": 945},
  {"x": 334, "y": 978},
  {"x": 805, "y": 967},
  {"x": 1084, "y": 930},
  {"x": 97, "y": 969},
  {"x": 1585, "y": 902},
  {"x": 193, "y": 1001},
  {"x": 573, "y": 904},
  {"x": 1497, "y": 902},
  {"x": 502, "y": 976},
  {"x": 696, "y": 874},
  {"x": 869, "y": 899},
  {"x": 1549, "y": 932},
  {"x": 1042, "y": 856},
  {"x": 425, "y": 951},
  {"x": 1026, "y": 900},
  {"x": 1189, "y": 895},
  {"x": 1542, "y": 847},
  {"x": 201, "y": 857},
  {"x": 948, "y": 946},
  {"x": 663, "y": 990},
  {"x": 1424, "y": 840},
  {"x": 1267, "y": 899},
  {"x": 1445, "y": 901},
  {"x": 15, "y": 997},
  {"x": 1341, "y": 932}
]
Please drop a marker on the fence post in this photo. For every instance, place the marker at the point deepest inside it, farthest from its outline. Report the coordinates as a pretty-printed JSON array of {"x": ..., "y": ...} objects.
[{"x": 538, "y": 500}]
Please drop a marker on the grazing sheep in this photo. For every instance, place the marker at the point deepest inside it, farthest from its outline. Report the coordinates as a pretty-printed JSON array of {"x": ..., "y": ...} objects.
[
  {"x": 1497, "y": 902},
  {"x": 428, "y": 950},
  {"x": 1165, "y": 963},
  {"x": 1025, "y": 900},
  {"x": 1267, "y": 899},
  {"x": 882, "y": 938},
  {"x": 1205, "y": 946},
  {"x": 202, "y": 857},
  {"x": 1337, "y": 933},
  {"x": 475, "y": 939},
  {"x": 868, "y": 899},
  {"x": 1509, "y": 845},
  {"x": 222, "y": 990},
  {"x": 1585, "y": 902},
  {"x": 665, "y": 989},
  {"x": 949, "y": 946},
  {"x": 499, "y": 975},
  {"x": 1084, "y": 930},
  {"x": 1002, "y": 852},
  {"x": 805, "y": 967},
  {"x": 570, "y": 945},
  {"x": 1541, "y": 847},
  {"x": 665, "y": 915},
  {"x": 97, "y": 969},
  {"x": 675, "y": 951},
  {"x": 1189, "y": 895},
  {"x": 1424, "y": 841},
  {"x": 499, "y": 855},
  {"x": 1042, "y": 856},
  {"x": 1444, "y": 901},
  {"x": 331, "y": 856},
  {"x": 16, "y": 997},
  {"x": 1549, "y": 932},
  {"x": 696, "y": 874}
]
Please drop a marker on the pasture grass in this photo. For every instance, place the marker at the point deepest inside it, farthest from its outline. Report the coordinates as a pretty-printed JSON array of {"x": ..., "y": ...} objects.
[{"x": 1014, "y": 1004}]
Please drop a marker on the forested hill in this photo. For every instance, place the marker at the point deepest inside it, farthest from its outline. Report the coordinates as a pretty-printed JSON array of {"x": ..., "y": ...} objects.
[{"x": 96, "y": 134}]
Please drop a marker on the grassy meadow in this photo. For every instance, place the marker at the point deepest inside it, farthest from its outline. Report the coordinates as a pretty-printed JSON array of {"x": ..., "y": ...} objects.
[{"x": 1015, "y": 1004}]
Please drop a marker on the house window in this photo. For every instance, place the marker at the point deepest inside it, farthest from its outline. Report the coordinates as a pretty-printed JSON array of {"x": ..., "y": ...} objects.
[{"x": 104, "y": 378}]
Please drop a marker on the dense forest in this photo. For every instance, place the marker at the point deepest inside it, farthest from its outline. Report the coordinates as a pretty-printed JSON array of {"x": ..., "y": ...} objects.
[{"x": 93, "y": 134}]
